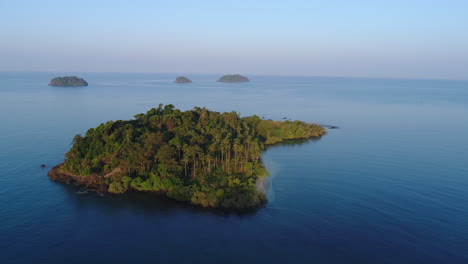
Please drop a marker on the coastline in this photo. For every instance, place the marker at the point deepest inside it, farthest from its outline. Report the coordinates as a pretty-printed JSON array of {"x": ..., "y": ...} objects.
[{"x": 101, "y": 184}]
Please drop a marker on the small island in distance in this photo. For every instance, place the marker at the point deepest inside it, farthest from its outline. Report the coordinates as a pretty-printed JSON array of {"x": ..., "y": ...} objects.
[
  {"x": 201, "y": 157},
  {"x": 233, "y": 78},
  {"x": 182, "y": 79},
  {"x": 68, "y": 81}
]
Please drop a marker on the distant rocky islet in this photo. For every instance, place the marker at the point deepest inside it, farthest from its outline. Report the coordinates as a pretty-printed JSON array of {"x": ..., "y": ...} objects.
[
  {"x": 182, "y": 79},
  {"x": 233, "y": 78},
  {"x": 73, "y": 81},
  {"x": 68, "y": 81},
  {"x": 226, "y": 78}
]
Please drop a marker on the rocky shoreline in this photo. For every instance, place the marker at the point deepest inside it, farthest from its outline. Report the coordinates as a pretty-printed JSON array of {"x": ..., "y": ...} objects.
[
  {"x": 94, "y": 183},
  {"x": 91, "y": 182}
]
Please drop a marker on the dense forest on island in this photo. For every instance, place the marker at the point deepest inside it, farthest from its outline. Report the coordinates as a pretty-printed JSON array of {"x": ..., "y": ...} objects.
[{"x": 198, "y": 156}]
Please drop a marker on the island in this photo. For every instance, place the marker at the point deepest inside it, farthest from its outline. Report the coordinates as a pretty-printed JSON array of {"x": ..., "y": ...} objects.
[
  {"x": 201, "y": 157},
  {"x": 68, "y": 81},
  {"x": 182, "y": 79},
  {"x": 233, "y": 78}
]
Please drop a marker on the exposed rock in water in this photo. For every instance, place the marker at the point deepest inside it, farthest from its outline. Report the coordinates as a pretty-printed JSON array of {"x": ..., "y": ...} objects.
[
  {"x": 82, "y": 191},
  {"x": 68, "y": 81},
  {"x": 182, "y": 79},
  {"x": 233, "y": 78},
  {"x": 42, "y": 166}
]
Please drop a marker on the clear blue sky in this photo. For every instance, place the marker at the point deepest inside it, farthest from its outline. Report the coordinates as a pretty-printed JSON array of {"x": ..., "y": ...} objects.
[{"x": 372, "y": 38}]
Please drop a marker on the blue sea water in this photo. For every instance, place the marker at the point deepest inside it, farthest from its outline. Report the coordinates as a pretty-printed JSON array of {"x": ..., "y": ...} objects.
[{"x": 389, "y": 186}]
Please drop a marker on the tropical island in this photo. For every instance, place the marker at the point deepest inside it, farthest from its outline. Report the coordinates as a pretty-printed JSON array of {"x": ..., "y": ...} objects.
[
  {"x": 201, "y": 157},
  {"x": 182, "y": 79},
  {"x": 233, "y": 78},
  {"x": 68, "y": 81}
]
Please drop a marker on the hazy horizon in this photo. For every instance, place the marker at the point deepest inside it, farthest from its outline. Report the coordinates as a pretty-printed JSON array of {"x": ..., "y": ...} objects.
[
  {"x": 82, "y": 74},
  {"x": 372, "y": 39}
]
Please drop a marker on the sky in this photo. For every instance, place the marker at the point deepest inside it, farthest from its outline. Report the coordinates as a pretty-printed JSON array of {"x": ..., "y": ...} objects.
[{"x": 367, "y": 38}]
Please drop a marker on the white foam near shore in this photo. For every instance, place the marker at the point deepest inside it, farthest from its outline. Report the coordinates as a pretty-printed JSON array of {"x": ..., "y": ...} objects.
[{"x": 262, "y": 184}]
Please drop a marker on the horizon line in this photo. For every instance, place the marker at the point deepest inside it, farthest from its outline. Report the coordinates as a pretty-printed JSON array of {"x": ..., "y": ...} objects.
[{"x": 251, "y": 74}]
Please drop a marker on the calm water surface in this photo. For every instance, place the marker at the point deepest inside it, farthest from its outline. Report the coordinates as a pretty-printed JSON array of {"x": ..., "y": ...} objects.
[{"x": 389, "y": 186}]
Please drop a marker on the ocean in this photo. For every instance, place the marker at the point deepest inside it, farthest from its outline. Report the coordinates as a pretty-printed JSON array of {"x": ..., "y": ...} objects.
[{"x": 389, "y": 186}]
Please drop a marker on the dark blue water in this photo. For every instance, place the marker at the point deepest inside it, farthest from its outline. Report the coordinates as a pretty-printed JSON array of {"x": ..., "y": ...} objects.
[{"x": 389, "y": 186}]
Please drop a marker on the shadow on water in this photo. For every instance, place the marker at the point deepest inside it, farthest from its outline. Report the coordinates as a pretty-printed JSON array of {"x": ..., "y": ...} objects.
[
  {"x": 141, "y": 202},
  {"x": 294, "y": 142}
]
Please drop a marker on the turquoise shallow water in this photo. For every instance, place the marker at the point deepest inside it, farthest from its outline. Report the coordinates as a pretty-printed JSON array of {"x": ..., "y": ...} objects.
[{"x": 389, "y": 186}]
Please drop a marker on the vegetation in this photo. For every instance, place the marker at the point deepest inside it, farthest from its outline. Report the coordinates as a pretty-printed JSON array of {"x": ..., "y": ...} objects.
[
  {"x": 199, "y": 156},
  {"x": 233, "y": 78},
  {"x": 182, "y": 79},
  {"x": 68, "y": 81}
]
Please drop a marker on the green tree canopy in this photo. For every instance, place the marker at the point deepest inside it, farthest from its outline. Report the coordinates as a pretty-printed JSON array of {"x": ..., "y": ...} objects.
[{"x": 199, "y": 156}]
